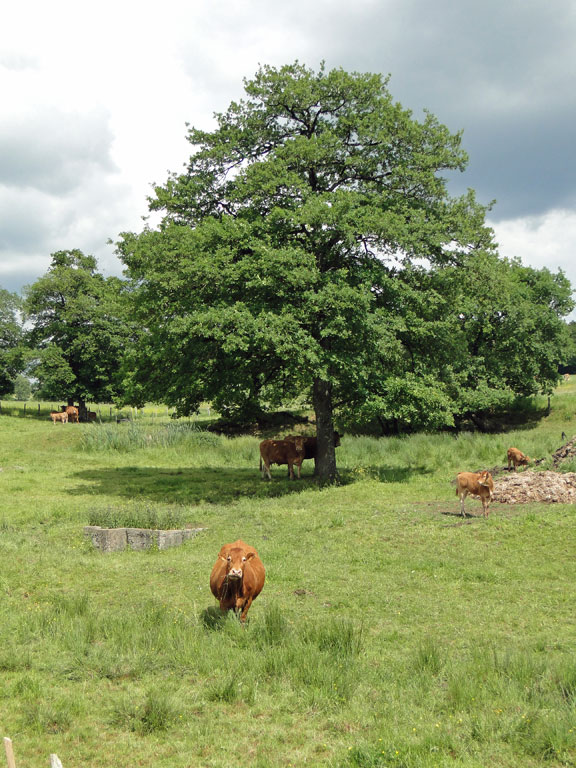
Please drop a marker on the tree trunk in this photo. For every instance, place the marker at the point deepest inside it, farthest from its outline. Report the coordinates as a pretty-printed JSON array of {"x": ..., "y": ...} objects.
[{"x": 326, "y": 453}]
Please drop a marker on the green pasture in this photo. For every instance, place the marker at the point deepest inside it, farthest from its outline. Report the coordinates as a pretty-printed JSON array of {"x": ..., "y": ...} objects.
[{"x": 390, "y": 632}]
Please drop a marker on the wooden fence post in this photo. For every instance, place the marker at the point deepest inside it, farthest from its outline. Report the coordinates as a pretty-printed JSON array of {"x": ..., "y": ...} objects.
[{"x": 9, "y": 752}]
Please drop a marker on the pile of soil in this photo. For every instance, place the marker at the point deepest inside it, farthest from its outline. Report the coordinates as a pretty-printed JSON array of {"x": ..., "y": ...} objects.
[{"x": 527, "y": 486}]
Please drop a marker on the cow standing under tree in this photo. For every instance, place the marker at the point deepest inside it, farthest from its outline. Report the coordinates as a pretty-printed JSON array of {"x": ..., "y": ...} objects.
[
  {"x": 291, "y": 452},
  {"x": 311, "y": 446}
]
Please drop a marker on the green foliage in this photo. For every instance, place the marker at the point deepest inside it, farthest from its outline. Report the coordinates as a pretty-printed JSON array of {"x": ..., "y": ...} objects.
[
  {"x": 310, "y": 248},
  {"x": 10, "y": 340},
  {"x": 22, "y": 388},
  {"x": 78, "y": 330}
]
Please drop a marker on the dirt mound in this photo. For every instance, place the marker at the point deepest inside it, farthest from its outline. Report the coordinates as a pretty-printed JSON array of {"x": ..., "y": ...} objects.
[{"x": 527, "y": 486}]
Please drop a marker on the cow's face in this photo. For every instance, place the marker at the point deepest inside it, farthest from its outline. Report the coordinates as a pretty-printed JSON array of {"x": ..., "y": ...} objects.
[
  {"x": 525, "y": 460},
  {"x": 484, "y": 478},
  {"x": 235, "y": 560}
]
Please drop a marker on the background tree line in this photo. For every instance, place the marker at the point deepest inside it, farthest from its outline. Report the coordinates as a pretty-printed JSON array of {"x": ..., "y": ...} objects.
[{"x": 309, "y": 250}]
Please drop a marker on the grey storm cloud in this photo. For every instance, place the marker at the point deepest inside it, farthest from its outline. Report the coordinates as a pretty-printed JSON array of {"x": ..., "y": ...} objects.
[
  {"x": 52, "y": 151},
  {"x": 503, "y": 73}
]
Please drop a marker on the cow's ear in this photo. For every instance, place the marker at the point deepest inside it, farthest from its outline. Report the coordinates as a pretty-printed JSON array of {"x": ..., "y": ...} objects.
[
  {"x": 250, "y": 555},
  {"x": 223, "y": 554}
]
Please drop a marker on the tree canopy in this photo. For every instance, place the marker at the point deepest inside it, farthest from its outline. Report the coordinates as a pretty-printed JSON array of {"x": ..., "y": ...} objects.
[
  {"x": 311, "y": 248},
  {"x": 78, "y": 330}
]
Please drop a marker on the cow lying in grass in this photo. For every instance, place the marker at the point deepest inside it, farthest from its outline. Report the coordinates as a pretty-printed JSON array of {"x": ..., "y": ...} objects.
[
  {"x": 237, "y": 577},
  {"x": 517, "y": 458},
  {"x": 478, "y": 484}
]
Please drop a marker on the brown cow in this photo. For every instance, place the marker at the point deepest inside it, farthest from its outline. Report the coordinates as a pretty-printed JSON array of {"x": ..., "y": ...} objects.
[
  {"x": 59, "y": 416},
  {"x": 237, "y": 577},
  {"x": 516, "y": 458},
  {"x": 478, "y": 484},
  {"x": 311, "y": 444},
  {"x": 72, "y": 412},
  {"x": 91, "y": 415},
  {"x": 289, "y": 452}
]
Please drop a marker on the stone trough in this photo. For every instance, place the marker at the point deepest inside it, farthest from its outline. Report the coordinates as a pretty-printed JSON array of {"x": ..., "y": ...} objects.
[{"x": 118, "y": 539}]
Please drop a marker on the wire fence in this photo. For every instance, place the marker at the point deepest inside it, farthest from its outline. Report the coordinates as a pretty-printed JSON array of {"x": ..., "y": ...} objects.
[{"x": 105, "y": 412}]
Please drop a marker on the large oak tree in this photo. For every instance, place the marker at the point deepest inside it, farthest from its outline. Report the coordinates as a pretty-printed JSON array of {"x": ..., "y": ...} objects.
[{"x": 310, "y": 246}]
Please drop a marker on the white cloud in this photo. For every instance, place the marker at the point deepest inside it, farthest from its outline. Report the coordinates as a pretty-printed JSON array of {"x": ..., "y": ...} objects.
[{"x": 548, "y": 240}]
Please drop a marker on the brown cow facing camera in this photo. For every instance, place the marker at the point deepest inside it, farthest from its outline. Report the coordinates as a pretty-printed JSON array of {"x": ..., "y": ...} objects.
[
  {"x": 291, "y": 452},
  {"x": 237, "y": 577},
  {"x": 478, "y": 484},
  {"x": 517, "y": 458}
]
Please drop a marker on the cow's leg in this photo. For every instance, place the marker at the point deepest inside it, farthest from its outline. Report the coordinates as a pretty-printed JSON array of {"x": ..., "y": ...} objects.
[
  {"x": 462, "y": 497},
  {"x": 298, "y": 469},
  {"x": 242, "y": 606},
  {"x": 291, "y": 470},
  {"x": 266, "y": 469}
]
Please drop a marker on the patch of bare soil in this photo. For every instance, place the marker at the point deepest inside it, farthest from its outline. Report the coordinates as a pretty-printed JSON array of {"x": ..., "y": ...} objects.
[{"x": 527, "y": 486}]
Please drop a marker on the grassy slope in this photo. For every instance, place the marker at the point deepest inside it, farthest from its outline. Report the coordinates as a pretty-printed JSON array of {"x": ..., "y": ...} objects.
[{"x": 388, "y": 633}]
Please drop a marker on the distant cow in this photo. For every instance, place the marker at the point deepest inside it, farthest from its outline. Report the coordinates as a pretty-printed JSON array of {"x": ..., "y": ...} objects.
[
  {"x": 289, "y": 452},
  {"x": 72, "y": 412},
  {"x": 91, "y": 416},
  {"x": 311, "y": 444},
  {"x": 59, "y": 416},
  {"x": 566, "y": 377},
  {"x": 517, "y": 458},
  {"x": 237, "y": 577},
  {"x": 478, "y": 484}
]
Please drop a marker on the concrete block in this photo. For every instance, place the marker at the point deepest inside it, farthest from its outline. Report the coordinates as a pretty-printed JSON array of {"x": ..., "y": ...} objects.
[
  {"x": 117, "y": 539},
  {"x": 106, "y": 539},
  {"x": 141, "y": 538}
]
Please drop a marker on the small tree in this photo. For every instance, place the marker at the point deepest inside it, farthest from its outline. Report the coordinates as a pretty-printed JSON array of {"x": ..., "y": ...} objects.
[
  {"x": 78, "y": 330},
  {"x": 22, "y": 388},
  {"x": 10, "y": 339}
]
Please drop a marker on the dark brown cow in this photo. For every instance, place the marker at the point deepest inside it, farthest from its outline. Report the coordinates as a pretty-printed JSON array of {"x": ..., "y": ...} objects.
[
  {"x": 289, "y": 452},
  {"x": 72, "y": 412},
  {"x": 478, "y": 484},
  {"x": 237, "y": 577},
  {"x": 517, "y": 458}
]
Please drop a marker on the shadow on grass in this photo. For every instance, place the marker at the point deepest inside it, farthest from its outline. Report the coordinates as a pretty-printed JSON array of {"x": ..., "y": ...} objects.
[
  {"x": 211, "y": 485},
  {"x": 187, "y": 485}
]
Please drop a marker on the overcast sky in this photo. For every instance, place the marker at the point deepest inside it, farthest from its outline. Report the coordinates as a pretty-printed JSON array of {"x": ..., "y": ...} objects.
[{"x": 95, "y": 98}]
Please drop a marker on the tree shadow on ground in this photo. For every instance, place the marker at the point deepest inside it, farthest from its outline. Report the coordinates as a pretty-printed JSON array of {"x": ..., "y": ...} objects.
[
  {"x": 185, "y": 485},
  {"x": 211, "y": 485}
]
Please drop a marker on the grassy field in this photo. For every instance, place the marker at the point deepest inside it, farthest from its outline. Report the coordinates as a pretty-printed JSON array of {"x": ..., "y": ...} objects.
[{"x": 390, "y": 632}]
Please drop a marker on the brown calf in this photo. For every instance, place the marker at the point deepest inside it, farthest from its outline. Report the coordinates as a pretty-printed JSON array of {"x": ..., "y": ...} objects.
[
  {"x": 59, "y": 416},
  {"x": 517, "y": 458},
  {"x": 478, "y": 484}
]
